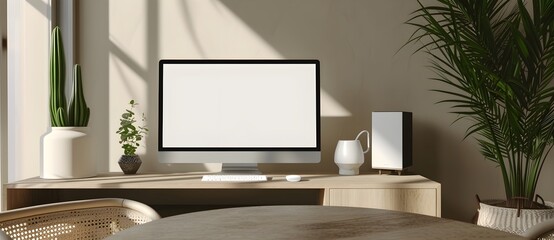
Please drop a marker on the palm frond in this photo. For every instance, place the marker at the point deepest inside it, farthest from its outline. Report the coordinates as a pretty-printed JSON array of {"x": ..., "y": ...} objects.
[{"x": 496, "y": 61}]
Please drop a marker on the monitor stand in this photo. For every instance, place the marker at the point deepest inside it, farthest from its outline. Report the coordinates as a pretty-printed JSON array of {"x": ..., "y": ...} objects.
[{"x": 240, "y": 169}]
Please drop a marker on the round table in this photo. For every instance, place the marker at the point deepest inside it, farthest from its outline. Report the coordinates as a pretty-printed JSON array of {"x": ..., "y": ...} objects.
[{"x": 307, "y": 222}]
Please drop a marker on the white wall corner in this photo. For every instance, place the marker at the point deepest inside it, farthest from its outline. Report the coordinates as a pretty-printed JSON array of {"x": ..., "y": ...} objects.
[{"x": 29, "y": 26}]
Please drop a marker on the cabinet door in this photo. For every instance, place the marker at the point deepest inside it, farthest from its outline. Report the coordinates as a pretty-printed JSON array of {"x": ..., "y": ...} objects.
[{"x": 421, "y": 200}]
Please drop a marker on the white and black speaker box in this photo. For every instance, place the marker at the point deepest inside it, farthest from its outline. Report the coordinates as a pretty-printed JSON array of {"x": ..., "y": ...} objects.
[{"x": 391, "y": 140}]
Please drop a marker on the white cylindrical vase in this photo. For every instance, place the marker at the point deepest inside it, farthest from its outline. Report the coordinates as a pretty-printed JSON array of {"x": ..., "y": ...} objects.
[{"x": 66, "y": 154}]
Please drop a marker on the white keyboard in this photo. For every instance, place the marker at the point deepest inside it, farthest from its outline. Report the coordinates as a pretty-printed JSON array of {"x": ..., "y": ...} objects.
[{"x": 234, "y": 178}]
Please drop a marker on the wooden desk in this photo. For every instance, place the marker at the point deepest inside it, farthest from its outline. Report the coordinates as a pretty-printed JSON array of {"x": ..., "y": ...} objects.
[
  {"x": 307, "y": 222},
  {"x": 166, "y": 192}
]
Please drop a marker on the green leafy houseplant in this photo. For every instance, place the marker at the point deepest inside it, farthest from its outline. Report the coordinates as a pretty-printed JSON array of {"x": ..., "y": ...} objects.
[
  {"x": 496, "y": 59},
  {"x": 130, "y": 133},
  {"x": 78, "y": 113}
]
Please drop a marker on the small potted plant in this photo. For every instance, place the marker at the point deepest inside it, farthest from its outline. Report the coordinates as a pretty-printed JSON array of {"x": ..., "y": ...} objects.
[{"x": 130, "y": 136}]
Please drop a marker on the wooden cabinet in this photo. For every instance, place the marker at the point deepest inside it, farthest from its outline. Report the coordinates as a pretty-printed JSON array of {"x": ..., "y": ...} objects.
[
  {"x": 185, "y": 191},
  {"x": 421, "y": 200}
]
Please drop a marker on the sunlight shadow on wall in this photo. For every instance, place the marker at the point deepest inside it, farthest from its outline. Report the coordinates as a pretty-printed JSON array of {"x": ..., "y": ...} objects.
[
  {"x": 134, "y": 51},
  {"x": 40, "y": 6},
  {"x": 331, "y": 108}
]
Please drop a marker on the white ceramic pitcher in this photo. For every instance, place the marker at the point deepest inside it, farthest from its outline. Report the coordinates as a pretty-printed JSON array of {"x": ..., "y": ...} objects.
[{"x": 349, "y": 155}]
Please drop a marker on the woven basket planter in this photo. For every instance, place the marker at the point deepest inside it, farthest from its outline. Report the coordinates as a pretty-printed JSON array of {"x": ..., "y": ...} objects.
[{"x": 506, "y": 219}]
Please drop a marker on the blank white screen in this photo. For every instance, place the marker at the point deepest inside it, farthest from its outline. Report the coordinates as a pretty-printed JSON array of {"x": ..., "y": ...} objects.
[{"x": 239, "y": 105}]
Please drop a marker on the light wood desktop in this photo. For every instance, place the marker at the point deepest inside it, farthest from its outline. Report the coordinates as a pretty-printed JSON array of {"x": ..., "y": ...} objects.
[
  {"x": 409, "y": 193},
  {"x": 308, "y": 222}
]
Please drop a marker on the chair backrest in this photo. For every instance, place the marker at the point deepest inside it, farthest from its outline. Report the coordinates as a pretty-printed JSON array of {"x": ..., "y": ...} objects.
[{"x": 84, "y": 219}]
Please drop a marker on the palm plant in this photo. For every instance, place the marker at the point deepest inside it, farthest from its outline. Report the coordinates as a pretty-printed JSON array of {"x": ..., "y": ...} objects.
[{"x": 496, "y": 59}]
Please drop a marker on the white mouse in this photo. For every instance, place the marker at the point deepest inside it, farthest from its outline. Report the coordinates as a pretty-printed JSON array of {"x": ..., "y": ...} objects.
[{"x": 293, "y": 178}]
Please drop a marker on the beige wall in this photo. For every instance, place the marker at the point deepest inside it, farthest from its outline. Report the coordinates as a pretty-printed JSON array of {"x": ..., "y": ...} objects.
[
  {"x": 28, "y": 39},
  {"x": 361, "y": 71},
  {"x": 3, "y": 100}
]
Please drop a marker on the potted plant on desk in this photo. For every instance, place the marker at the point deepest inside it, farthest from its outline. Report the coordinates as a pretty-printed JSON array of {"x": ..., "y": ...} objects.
[
  {"x": 130, "y": 137},
  {"x": 497, "y": 59},
  {"x": 65, "y": 149}
]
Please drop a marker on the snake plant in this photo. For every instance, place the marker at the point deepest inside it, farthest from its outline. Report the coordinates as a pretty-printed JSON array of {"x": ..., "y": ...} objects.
[
  {"x": 78, "y": 112},
  {"x": 496, "y": 61},
  {"x": 58, "y": 115}
]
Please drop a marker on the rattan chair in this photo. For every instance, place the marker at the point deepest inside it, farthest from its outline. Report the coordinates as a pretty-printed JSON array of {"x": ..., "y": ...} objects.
[
  {"x": 84, "y": 219},
  {"x": 542, "y": 231}
]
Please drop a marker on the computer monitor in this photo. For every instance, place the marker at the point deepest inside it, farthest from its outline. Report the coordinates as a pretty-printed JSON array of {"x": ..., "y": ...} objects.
[{"x": 239, "y": 112}]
